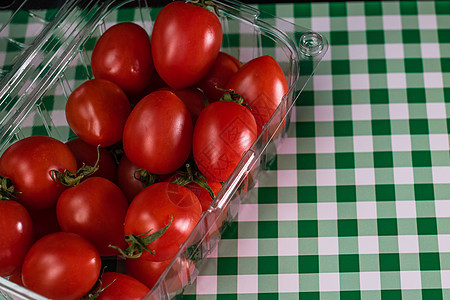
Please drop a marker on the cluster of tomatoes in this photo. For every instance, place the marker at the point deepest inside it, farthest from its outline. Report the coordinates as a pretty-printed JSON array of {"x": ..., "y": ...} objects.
[{"x": 160, "y": 127}]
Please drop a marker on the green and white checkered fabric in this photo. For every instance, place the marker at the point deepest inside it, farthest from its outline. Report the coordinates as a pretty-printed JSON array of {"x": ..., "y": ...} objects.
[{"x": 357, "y": 203}]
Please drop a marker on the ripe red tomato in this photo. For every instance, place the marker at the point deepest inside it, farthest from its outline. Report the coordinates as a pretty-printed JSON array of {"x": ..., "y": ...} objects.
[
  {"x": 153, "y": 208},
  {"x": 87, "y": 154},
  {"x": 185, "y": 42},
  {"x": 121, "y": 286},
  {"x": 224, "y": 67},
  {"x": 123, "y": 55},
  {"x": 148, "y": 272},
  {"x": 61, "y": 265},
  {"x": 28, "y": 163},
  {"x": 97, "y": 111},
  {"x": 158, "y": 133},
  {"x": 224, "y": 131},
  {"x": 94, "y": 209},
  {"x": 193, "y": 99},
  {"x": 16, "y": 231},
  {"x": 262, "y": 84},
  {"x": 128, "y": 178}
]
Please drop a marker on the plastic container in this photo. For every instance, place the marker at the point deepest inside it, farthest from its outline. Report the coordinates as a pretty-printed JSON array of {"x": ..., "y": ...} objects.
[{"x": 46, "y": 68}]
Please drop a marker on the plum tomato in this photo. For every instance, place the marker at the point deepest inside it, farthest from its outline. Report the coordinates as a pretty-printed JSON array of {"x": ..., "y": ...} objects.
[
  {"x": 16, "y": 231},
  {"x": 157, "y": 206},
  {"x": 262, "y": 84},
  {"x": 185, "y": 42},
  {"x": 129, "y": 178},
  {"x": 28, "y": 163},
  {"x": 121, "y": 286},
  {"x": 61, "y": 265},
  {"x": 193, "y": 99},
  {"x": 158, "y": 133},
  {"x": 224, "y": 131},
  {"x": 122, "y": 55},
  {"x": 94, "y": 209},
  {"x": 87, "y": 154},
  {"x": 96, "y": 111},
  {"x": 217, "y": 77},
  {"x": 44, "y": 222}
]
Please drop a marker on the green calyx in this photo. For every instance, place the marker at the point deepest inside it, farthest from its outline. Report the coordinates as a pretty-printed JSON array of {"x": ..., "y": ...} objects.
[
  {"x": 190, "y": 175},
  {"x": 7, "y": 190},
  {"x": 68, "y": 178},
  {"x": 145, "y": 177},
  {"x": 138, "y": 243},
  {"x": 201, "y": 3}
]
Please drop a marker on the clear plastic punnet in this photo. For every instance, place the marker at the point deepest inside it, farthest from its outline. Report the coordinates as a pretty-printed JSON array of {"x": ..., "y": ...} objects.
[{"x": 40, "y": 73}]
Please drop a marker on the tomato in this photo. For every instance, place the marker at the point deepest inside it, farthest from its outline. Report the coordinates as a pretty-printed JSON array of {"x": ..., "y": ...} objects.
[
  {"x": 16, "y": 231},
  {"x": 154, "y": 208},
  {"x": 128, "y": 178},
  {"x": 216, "y": 79},
  {"x": 158, "y": 133},
  {"x": 87, "y": 154},
  {"x": 262, "y": 84},
  {"x": 185, "y": 42},
  {"x": 121, "y": 286},
  {"x": 96, "y": 111},
  {"x": 16, "y": 278},
  {"x": 193, "y": 99},
  {"x": 44, "y": 222},
  {"x": 148, "y": 272},
  {"x": 94, "y": 209},
  {"x": 28, "y": 163},
  {"x": 122, "y": 55},
  {"x": 61, "y": 265},
  {"x": 224, "y": 131}
]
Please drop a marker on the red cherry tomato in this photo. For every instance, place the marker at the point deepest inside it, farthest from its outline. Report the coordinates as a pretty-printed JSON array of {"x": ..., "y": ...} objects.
[
  {"x": 158, "y": 133},
  {"x": 193, "y": 99},
  {"x": 87, "y": 154},
  {"x": 123, "y": 55},
  {"x": 121, "y": 286},
  {"x": 97, "y": 111},
  {"x": 185, "y": 42},
  {"x": 224, "y": 131},
  {"x": 262, "y": 84},
  {"x": 28, "y": 163},
  {"x": 216, "y": 79},
  {"x": 94, "y": 209},
  {"x": 148, "y": 272},
  {"x": 61, "y": 265},
  {"x": 127, "y": 178},
  {"x": 16, "y": 232},
  {"x": 153, "y": 208}
]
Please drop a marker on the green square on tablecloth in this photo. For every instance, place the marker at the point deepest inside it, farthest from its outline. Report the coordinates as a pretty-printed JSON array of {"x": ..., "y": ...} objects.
[
  {"x": 373, "y": 8},
  {"x": 389, "y": 261},
  {"x": 387, "y": 226},
  {"x": 429, "y": 261},
  {"x": 307, "y": 228},
  {"x": 267, "y": 264},
  {"x": 426, "y": 226},
  {"x": 347, "y": 227},
  {"x": 444, "y": 35},
  {"x": 349, "y": 263}
]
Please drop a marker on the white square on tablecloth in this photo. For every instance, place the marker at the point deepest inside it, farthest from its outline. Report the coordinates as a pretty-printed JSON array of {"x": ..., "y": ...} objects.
[
  {"x": 396, "y": 80},
  {"x": 287, "y": 178},
  {"x": 369, "y": 281},
  {"x": 427, "y": 21},
  {"x": 364, "y": 176},
  {"x": 327, "y": 211},
  {"x": 288, "y": 283},
  {"x": 430, "y": 50},
  {"x": 206, "y": 284},
  {"x": 401, "y": 142},
  {"x": 392, "y": 22},
  {"x": 248, "y": 212},
  {"x": 408, "y": 244},
  {"x": 366, "y": 209},
  {"x": 445, "y": 279},
  {"x": 247, "y": 247},
  {"x": 433, "y": 80},
  {"x": 361, "y": 112},
  {"x": 410, "y": 280},
  {"x": 403, "y": 175},
  {"x": 287, "y": 211},
  {"x": 326, "y": 177},
  {"x": 442, "y": 208},
  {"x": 287, "y": 246},
  {"x": 438, "y": 142},
  {"x": 247, "y": 284},
  {"x": 356, "y": 23},
  {"x": 363, "y": 143},
  {"x": 406, "y": 209},
  {"x": 328, "y": 245},
  {"x": 357, "y": 52},
  {"x": 368, "y": 245},
  {"x": 329, "y": 282},
  {"x": 398, "y": 111},
  {"x": 323, "y": 82},
  {"x": 441, "y": 175},
  {"x": 324, "y": 113},
  {"x": 320, "y": 24},
  {"x": 394, "y": 51},
  {"x": 436, "y": 110},
  {"x": 444, "y": 244},
  {"x": 359, "y": 81},
  {"x": 324, "y": 144}
]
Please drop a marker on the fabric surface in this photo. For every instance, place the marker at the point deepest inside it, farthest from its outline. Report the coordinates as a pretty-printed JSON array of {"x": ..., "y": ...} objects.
[{"x": 357, "y": 204}]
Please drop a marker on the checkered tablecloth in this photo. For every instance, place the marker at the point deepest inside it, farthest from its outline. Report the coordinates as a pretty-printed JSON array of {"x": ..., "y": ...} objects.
[{"x": 357, "y": 205}]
